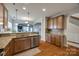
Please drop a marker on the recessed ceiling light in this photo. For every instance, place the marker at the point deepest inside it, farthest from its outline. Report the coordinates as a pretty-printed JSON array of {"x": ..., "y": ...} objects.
[
  {"x": 26, "y": 22},
  {"x": 43, "y": 9},
  {"x": 24, "y": 8}
]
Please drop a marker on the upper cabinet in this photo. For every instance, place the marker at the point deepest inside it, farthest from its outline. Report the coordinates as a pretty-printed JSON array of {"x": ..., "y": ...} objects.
[
  {"x": 56, "y": 22},
  {"x": 60, "y": 22},
  {"x": 1, "y": 14},
  {"x": 49, "y": 23},
  {"x": 3, "y": 17},
  {"x": 5, "y": 21}
]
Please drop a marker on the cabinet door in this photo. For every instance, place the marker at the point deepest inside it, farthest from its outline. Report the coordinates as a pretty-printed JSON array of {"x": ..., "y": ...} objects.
[
  {"x": 27, "y": 44},
  {"x": 55, "y": 23},
  {"x": 58, "y": 40},
  {"x": 48, "y": 38},
  {"x": 19, "y": 44},
  {"x": 1, "y": 13},
  {"x": 50, "y": 23},
  {"x": 53, "y": 39},
  {"x": 60, "y": 21}
]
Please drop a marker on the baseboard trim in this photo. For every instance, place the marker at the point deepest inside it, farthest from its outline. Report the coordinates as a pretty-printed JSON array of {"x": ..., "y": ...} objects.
[{"x": 73, "y": 42}]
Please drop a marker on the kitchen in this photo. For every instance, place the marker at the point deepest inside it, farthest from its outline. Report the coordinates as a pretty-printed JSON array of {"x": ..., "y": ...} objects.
[
  {"x": 25, "y": 26},
  {"x": 13, "y": 41}
]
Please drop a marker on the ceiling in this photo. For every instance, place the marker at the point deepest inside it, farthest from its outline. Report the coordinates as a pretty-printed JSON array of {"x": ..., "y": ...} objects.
[{"x": 35, "y": 9}]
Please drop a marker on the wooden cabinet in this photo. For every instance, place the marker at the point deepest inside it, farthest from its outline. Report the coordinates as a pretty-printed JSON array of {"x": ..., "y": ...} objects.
[
  {"x": 3, "y": 17},
  {"x": 56, "y": 22},
  {"x": 9, "y": 49},
  {"x": 5, "y": 21},
  {"x": 60, "y": 20},
  {"x": 27, "y": 44},
  {"x": 48, "y": 38},
  {"x": 21, "y": 44},
  {"x": 55, "y": 25},
  {"x": 49, "y": 23},
  {"x": 58, "y": 40},
  {"x": 1, "y": 13}
]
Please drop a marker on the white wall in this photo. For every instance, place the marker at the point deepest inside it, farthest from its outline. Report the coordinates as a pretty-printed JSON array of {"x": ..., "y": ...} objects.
[
  {"x": 43, "y": 29},
  {"x": 42, "y": 21}
]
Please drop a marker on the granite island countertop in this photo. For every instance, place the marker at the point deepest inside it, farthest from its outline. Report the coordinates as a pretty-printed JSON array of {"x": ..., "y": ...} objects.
[{"x": 4, "y": 40}]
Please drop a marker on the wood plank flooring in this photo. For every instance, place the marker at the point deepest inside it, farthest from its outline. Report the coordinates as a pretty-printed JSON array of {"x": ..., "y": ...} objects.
[{"x": 52, "y": 50}]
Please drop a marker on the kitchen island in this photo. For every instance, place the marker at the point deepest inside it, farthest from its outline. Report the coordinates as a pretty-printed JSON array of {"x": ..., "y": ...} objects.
[{"x": 13, "y": 43}]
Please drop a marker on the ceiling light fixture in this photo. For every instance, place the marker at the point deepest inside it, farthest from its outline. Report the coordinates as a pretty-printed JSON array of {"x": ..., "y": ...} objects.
[
  {"x": 43, "y": 9},
  {"x": 24, "y": 8},
  {"x": 16, "y": 13}
]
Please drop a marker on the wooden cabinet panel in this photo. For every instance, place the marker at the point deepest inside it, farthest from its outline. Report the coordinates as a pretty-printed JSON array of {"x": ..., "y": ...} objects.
[
  {"x": 60, "y": 24},
  {"x": 50, "y": 23},
  {"x": 1, "y": 13},
  {"x": 48, "y": 38},
  {"x": 55, "y": 23},
  {"x": 53, "y": 39},
  {"x": 58, "y": 40},
  {"x": 9, "y": 50},
  {"x": 5, "y": 21},
  {"x": 3, "y": 16},
  {"x": 27, "y": 44},
  {"x": 19, "y": 44}
]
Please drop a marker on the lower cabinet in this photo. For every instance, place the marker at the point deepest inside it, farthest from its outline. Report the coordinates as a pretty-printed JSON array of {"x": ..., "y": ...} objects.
[
  {"x": 21, "y": 44},
  {"x": 58, "y": 40},
  {"x": 9, "y": 49},
  {"x": 27, "y": 44}
]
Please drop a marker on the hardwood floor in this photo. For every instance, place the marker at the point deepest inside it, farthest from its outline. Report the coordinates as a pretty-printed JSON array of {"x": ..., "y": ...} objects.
[{"x": 52, "y": 50}]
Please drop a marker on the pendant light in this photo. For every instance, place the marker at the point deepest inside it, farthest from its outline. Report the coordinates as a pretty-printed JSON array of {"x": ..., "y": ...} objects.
[{"x": 16, "y": 13}]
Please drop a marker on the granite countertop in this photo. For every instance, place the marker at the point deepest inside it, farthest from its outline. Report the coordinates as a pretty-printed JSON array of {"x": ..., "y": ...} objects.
[
  {"x": 16, "y": 32},
  {"x": 5, "y": 40}
]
